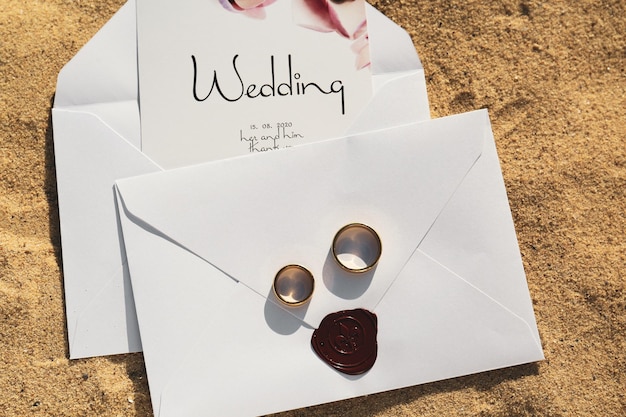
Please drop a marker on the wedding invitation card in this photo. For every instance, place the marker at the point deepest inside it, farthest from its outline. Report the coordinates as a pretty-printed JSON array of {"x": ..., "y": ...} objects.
[{"x": 224, "y": 78}]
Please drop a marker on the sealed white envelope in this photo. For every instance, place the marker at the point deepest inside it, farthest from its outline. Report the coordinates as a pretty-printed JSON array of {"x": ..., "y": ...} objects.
[
  {"x": 205, "y": 242},
  {"x": 97, "y": 140}
]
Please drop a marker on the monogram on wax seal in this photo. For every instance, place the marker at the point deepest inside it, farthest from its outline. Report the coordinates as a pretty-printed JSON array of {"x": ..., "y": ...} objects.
[{"x": 346, "y": 340}]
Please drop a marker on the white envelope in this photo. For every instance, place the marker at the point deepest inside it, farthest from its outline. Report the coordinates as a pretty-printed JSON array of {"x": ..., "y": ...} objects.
[
  {"x": 205, "y": 242},
  {"x": 97, "y": 140}
]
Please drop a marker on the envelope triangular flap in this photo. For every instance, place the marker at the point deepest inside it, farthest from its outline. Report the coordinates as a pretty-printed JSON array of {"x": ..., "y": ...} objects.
[
  {"x": 105, "y": 69},
  {"x": 391, "y": 49},
  {"x": 390, "y": 100},
  {"x": 250, "y": 216},
  {"x": 397, "y": 74},
  {"x": 102, "y": 79}
]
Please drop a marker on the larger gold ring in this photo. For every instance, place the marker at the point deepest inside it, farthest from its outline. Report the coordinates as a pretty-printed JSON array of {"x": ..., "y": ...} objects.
[
  {"x": 294, "y": 285},
  {"x": 357, "y": 248}
]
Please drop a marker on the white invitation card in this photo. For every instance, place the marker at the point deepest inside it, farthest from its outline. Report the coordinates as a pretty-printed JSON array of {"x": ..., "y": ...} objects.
[{"x": 223, "y": 78}]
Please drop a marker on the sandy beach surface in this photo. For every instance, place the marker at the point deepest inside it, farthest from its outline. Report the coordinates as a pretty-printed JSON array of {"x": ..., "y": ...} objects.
[{"x": 553, "y": 76}]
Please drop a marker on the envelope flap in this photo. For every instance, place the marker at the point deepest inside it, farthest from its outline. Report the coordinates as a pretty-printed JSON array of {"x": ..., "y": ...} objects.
[
  {"x": 105, "y": 69},
  {"x": 391, "y": 47},
  {"x": 252, "y": 215},
  {"x": 388, "y": 107}
]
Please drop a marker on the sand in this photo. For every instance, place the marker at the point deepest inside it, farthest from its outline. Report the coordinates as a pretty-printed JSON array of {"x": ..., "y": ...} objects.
[{"x": 551, "y": 73}]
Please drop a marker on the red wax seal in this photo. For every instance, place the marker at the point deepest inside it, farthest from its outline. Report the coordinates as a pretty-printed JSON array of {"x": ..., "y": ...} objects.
[{"x": 346, "y": 340}]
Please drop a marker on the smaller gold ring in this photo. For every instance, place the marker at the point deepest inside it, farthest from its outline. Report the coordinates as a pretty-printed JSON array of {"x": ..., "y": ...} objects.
[
  {"x": 294, "y": 285},
  {"x": 357, "y": 248}
]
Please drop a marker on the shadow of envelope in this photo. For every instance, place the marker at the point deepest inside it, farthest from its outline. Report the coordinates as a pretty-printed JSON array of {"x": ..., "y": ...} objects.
[
  {"x": 97, "y": 141},
  {"x": 204, "y": 242}
]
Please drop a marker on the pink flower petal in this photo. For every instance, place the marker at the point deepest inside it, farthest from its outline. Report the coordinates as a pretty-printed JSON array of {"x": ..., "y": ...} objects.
[
  {"x": 312, "y": 14},
  {"x": 251, "y": 8},
  {"x": 227, "y": 5},
  {"x": 247, "y": 4},
  {"x": 361, "y": 48},
  {"x": 361, "y": 30},
  {"x": 360, "y": 43},
  {"x": 347, "y": 17}
]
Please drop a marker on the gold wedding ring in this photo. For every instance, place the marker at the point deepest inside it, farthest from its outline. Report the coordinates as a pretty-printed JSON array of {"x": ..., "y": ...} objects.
[
  {"x": 357, "y": 248},
  {"x": 294, "y": 285}
]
